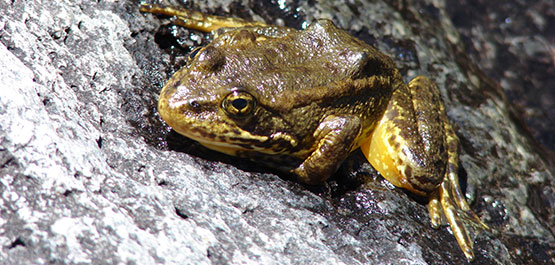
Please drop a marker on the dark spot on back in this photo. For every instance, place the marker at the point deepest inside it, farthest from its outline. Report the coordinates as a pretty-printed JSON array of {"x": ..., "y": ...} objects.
[
  {"x": 270, "y": 53},
  {"x": 331, "y": 67},
  {"x": 244, "y": 35},
  {"x": 317, "y": 43},
  {"x": 408, "y": 172},
  {"x": 392, "y": 113},
  {"x": 391, "y": 140}
]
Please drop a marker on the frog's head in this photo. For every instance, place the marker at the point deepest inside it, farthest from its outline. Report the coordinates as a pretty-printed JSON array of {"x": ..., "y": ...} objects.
[
  {"x": 265, "y": 90},
  {"x": 215, "y": 108}
]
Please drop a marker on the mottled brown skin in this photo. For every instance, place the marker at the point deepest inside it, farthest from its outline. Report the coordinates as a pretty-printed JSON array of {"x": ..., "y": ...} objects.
[
  {"x": 302, "y": 100},
  {"x": 344, "y": 89}
]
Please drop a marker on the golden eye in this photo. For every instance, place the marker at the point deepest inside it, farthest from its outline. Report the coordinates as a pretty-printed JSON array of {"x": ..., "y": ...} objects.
[{"x": 239, "y": 104}]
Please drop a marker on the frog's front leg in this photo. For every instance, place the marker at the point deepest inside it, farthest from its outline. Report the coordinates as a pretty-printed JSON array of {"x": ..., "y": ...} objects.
[
  {"x": 335, "y": 137},
  {"x": 415, "y": 147}
]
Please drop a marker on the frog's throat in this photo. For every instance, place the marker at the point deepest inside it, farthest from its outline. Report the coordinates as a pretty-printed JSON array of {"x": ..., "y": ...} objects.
[
  {"x": 226, "y": 147},
  {"x": 222, "y": 147},
  {"x": 234, "y": 143},
  {"x": 226, "y": 143}
]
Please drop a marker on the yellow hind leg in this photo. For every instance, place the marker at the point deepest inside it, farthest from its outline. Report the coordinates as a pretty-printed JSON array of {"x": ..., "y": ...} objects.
[{"x": 197, "y": 20}]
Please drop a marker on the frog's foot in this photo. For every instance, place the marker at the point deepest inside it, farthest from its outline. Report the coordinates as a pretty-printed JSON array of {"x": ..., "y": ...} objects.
[
  {"x": 450, "y": 192},
  {"x": 444, "y": 203},
  {"x": 450, "y": 202},
  {"x": 197, "y": 20}
]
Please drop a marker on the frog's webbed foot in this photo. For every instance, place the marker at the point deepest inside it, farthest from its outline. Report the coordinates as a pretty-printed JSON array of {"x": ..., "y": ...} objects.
[
  {"x": 442, "y": 204},
  {"x": 450, "y": 202},
  {"x": 197, "y": 20}
]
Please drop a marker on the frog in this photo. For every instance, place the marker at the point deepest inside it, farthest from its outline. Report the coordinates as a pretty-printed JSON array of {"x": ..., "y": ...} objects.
[{"x": 302, "y": 100}]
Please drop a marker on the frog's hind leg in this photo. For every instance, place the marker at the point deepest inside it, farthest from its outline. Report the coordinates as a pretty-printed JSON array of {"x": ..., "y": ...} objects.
[
  {"x": 415, "y": 147},
  {"x": 197, "y": 20},
  {"x": 408, "y": 145}
]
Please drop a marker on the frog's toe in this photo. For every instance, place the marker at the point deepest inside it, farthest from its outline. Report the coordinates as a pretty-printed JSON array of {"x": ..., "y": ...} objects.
[
  {"x": 434, "y": 208},
  {"x": 455, "y": 220},
  {"x": 456, "y": 195}
]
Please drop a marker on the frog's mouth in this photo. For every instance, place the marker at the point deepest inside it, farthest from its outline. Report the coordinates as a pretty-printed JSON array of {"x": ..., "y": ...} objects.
[
  {"x": 222, "y": 147},
  {"x": 222, "y": 141}
]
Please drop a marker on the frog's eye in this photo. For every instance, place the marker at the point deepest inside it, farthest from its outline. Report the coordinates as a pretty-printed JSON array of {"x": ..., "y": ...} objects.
[
  {"x": 239, "y": 104},
  {"x": 194, "y": 53}
]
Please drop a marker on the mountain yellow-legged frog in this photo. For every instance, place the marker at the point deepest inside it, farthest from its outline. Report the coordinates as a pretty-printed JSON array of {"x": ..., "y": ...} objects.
[{"x": 302, "y": 100}]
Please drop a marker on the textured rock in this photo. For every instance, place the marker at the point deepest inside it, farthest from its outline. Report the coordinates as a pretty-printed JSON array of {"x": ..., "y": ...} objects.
[
  {"x": 513, "y": 42},
  {"x": 89, "y": 173}
]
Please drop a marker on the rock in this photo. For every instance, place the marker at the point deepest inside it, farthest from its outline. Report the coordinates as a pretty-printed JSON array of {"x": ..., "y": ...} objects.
[
  {"x": 513, "y": 43},
  {"x": 90, "y": 174}
]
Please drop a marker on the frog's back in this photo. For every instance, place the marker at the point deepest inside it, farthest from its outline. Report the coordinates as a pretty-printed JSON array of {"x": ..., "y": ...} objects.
[
  {"x": 292, "y": 79},
  {"x": 320, "y": 65}
]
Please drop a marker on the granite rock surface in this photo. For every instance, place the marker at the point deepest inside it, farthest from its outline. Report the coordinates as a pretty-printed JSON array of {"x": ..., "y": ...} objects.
[{"x": 89, "y": 174}]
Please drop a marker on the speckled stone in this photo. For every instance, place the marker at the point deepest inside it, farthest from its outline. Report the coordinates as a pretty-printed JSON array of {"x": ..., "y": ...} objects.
[{"x": 89, "y": 174}]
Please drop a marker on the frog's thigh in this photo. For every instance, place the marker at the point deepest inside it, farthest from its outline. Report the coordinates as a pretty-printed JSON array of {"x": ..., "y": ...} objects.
[
  {"x": 414, "y": 138},
  {"x": 334, "y": 136},
  {"x": 197, "y": 20},
  {"x": 408, "y": 146}
]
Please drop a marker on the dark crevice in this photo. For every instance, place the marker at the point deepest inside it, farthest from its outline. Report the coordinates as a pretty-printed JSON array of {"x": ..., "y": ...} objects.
[
  {"x": 8, "y": 161},
  {"x": 67, "y": 193},
  {"x": 163, "y": 182},
  {"x": 67, "y": 31},
  {"x": 17, "y": 242},
  {"x": 181, "y": 214},
  {"x": 99, "y": 142}
]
